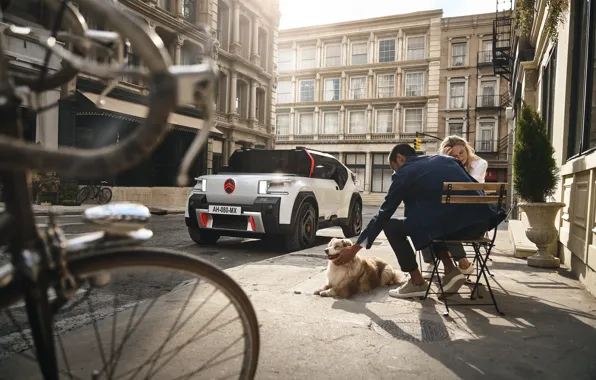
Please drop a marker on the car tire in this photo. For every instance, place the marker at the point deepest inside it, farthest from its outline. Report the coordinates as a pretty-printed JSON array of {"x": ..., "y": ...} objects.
[
  {"x": 354, "y": 226},
  {"x": 304, "y": 229},
  {"x": 203, "y": 237}
]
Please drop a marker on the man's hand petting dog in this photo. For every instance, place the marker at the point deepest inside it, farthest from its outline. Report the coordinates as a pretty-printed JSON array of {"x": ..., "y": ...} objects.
[{"x": 347, "y": 254}]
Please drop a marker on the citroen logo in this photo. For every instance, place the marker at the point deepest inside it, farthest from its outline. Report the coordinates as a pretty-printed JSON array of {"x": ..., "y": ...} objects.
[{"x": 229, "y": 186}]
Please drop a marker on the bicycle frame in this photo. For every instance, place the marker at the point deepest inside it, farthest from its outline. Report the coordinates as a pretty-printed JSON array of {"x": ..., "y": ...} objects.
[{"x": 38, "y": 257}]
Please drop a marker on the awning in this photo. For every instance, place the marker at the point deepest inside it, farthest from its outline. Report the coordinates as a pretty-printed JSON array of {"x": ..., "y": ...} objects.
[{"x": 139, "y": 112}]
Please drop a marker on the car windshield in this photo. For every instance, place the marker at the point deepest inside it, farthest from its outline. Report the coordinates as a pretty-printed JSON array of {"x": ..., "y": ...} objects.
[{"x": 269, "y": 161}]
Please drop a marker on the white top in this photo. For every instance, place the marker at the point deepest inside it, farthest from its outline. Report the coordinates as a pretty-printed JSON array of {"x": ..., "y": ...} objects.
[{"x": 478, "y": 169}]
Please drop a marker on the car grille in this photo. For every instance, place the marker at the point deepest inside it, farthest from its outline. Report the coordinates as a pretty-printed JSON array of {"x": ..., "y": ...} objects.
[{"x": 230, "y": 222}]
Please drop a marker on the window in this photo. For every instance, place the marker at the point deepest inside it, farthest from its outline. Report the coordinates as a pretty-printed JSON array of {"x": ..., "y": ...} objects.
[
  {"x": 381, "y": 173},
  {"x": 332, "y": 55},
  {"x": 386, "y": 86},
  {"x": 387, "y": 50},
  {"x": 330, "y": 123},
  {"x": 284, "y": 92},
  {"x": 307, "y": 57},
  {"x": 306, "y": 124},
  {"x": 458, "y": 54},
  {"x": 486, "y": 138},
  {"x": 358, "y": 88},
  {"x": 582, "y": 134},
  {"x": 457, "y": 95},
  {"x": 307, "y": 90},
  {"x": 282, "y": 124},
  {"x": 413, "y": 120},
  {"x": 456, "y": 128},
  {"x": 415, "y": 48},
  {"x": 486, "y": 55},
  {"x": 415, "y": 84},
  {"x": 285, "y": 60},
  {"x": 357, "y": 122},
  {"x": 189, "y": 10},
  {"x": 332, "y": 89},
  {"x": 384, "y": 121},
  {"x": 356, "y": 162},
  {"x": 488, "y": 98},
  {"x": 359, "y": 54},
  {"x": 548, "y": 92}
]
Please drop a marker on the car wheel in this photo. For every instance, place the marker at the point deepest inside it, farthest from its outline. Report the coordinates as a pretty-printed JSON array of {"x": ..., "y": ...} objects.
[
  {"x": 304, "y": 231},
  {"x": 354, "y": 226},
  {"x": 203, "y": 237}
]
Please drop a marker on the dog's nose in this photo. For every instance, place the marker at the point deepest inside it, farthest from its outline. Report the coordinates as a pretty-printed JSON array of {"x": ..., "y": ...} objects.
[{"x": 326, "y": 250}]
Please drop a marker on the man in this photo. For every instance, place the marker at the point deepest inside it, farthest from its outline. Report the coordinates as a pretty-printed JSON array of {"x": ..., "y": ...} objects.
[{"x": 418, "y": 182}]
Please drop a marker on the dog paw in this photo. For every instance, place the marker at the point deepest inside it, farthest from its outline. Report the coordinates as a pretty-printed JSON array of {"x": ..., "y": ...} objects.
[
  {"x": 326, "y": 293},
  {"x": 317, "y": 292}
]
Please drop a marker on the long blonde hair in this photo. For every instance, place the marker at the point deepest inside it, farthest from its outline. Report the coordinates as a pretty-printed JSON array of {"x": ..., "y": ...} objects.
[{"x": 452, "y": 141}]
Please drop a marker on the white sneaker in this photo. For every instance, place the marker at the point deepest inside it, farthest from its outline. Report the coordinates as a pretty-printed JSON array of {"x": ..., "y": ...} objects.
[
  {"x": 409, "y": 290},
  {"x": 453, "y": 281}
]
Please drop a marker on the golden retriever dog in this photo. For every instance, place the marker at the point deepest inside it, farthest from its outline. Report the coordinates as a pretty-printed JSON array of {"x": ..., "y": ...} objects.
[{"x": 361, "y": 274}]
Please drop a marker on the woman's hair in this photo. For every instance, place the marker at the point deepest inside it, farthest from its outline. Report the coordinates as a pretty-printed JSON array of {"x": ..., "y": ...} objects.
[{"x": 452, "y": 141}]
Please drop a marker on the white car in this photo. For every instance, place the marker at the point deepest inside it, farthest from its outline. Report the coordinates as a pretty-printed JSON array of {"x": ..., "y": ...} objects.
[{"x": 286, "y": 195}]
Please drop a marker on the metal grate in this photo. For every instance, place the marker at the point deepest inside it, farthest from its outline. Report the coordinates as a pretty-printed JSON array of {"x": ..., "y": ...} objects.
[{"x": 230, "y": 222}]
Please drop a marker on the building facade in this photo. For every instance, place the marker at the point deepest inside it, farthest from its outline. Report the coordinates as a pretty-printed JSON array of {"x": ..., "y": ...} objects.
[
  {"x": 536, "y": 67},
  {"x": 355, "y": 89},
  {"x": 473, "y": 99},
  {"x": 245, "y": 35}
]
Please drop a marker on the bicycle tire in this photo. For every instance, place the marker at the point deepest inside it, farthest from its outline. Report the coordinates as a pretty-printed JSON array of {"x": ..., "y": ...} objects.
[
  {"x": 119, "y": 258},
  {"x": 83, "y": 194},
  {"x": 107, "y": 196}
]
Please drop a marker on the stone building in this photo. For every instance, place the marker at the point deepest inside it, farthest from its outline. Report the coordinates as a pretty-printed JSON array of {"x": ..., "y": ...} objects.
[
  {"x": 355, "y": 89},
  {"x": 245, "y": 34},
  {"x": 473, "y": 99},
  {"x": 536, "y": 66}
]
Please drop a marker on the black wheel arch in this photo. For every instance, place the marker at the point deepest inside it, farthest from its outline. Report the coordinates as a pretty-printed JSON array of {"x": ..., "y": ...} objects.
[{"x": 301, "y": 198}]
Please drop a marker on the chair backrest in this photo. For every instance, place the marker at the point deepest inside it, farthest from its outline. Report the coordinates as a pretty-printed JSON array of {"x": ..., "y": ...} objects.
[{"x": 497, "y": 191}]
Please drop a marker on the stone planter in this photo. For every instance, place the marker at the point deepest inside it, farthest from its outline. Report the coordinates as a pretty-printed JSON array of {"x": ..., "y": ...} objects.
[{"x": 541, "y": 231}]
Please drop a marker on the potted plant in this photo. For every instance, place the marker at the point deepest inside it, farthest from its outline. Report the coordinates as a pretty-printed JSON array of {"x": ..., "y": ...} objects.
[
  {"x": 67, "y": 193},
  {"x": 536, "y": 176},
  {"x": 45, "y": 188}
]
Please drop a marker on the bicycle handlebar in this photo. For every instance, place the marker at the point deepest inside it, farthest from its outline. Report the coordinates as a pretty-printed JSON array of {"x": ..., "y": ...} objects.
[{"x": 168, "y": 88}]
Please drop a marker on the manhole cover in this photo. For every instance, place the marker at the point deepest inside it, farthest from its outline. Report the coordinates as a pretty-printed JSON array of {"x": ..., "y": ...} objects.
[{"x": 411, "y": 330}]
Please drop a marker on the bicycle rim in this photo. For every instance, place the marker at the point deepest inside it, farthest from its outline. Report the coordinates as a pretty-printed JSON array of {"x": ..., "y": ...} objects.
[
  {"x": 83, "y": 194},
  {"x": 104, "y": 196},
  {"x": 153, "y": 312}
]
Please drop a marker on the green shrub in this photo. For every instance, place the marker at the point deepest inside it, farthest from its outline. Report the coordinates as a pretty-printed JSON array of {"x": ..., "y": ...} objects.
[
  {"x": 67, "y": 192},
  {"x": 534, "y": 166}
]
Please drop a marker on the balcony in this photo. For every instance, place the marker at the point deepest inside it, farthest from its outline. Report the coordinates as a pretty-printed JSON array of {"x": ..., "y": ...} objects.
[
  {"x": 503, "y": 34},
  {"x": 373, "y": 138},
  {"x": 486, "y": 146},
  {"x": 492, "y": 101},
  {"x": 485, "y": 58}
]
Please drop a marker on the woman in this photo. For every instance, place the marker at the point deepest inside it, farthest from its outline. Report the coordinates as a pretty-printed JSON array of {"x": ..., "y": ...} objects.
[{"x": 459, "y": 148}]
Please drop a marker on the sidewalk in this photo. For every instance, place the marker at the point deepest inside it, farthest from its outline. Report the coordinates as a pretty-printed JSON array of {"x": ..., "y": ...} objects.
[
  {"x": 549, "y": 331},
  {"x": 78, "y": 210}
]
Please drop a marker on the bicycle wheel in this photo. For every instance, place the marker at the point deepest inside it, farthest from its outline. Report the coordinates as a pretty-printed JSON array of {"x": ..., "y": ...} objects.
[
  {"x": 104, "y": 196},
  {"x": 88, "y": 342},
  {"x": 83, "y": 194}
]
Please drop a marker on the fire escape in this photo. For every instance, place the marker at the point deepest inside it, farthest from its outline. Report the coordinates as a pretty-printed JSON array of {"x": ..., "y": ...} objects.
[{"x": 503, "y": 57}]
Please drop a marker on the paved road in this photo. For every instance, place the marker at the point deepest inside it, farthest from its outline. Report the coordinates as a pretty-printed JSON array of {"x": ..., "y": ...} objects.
[{"x": 169, "y": 232}]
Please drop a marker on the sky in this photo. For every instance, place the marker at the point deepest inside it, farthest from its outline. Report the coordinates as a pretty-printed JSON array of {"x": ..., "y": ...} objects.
[{"x": 301, "y": 13}]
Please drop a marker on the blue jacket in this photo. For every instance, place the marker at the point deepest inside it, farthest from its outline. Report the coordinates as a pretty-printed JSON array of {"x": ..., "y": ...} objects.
[{"x": 419, "y": 185}]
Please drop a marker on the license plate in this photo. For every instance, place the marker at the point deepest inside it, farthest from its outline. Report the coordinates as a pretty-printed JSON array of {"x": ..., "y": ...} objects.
[{"x": 227, "y": 210}]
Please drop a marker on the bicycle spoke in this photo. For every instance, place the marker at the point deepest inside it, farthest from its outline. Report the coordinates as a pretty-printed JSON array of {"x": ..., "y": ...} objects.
[
  {"x": 205, "y": 366},
  {"x": 97, "y": 334},
  {"x": 172, "y": 329}
]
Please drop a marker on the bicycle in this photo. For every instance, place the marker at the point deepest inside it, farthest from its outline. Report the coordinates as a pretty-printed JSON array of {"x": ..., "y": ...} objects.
[
  {"x": 100, "y": 193},
  {"x": 50, "y": 278}
]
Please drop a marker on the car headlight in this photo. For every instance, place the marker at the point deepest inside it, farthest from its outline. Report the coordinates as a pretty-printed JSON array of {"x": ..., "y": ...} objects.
[
  {"x": 201, "y": 185},
  {"x": 275, "y": 187}
]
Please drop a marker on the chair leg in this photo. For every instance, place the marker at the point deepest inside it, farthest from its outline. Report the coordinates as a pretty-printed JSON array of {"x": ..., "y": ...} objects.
[
  {"x": 479, "y": 270},
  {"x": 490, "y": 291},
  {"x": 437, "y": 261}
]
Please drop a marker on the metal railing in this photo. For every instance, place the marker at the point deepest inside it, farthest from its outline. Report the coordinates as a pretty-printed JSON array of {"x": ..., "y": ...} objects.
[
  {"x": 486, "y": 146},
  {"x": 488, "y": 101}
]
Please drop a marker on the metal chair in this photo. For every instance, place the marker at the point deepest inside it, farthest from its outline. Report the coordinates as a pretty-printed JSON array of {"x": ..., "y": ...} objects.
[{"x": 482, "y": 246}]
